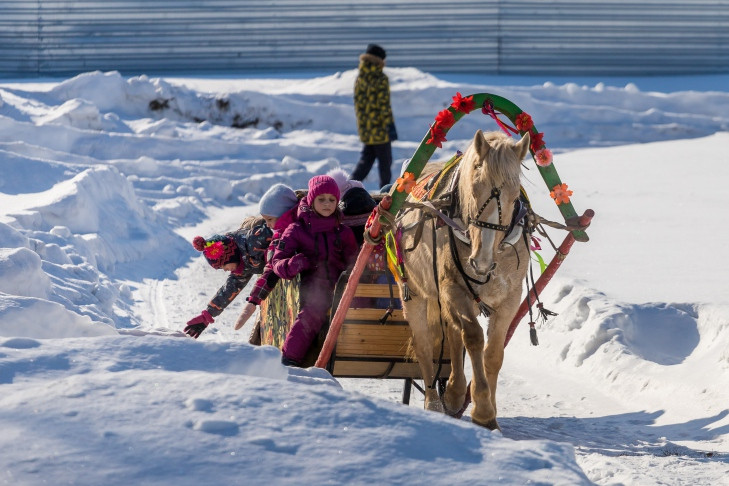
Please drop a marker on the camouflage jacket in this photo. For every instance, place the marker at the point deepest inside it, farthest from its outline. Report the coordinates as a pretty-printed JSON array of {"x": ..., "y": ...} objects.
[{"x": 372, "y": 101}]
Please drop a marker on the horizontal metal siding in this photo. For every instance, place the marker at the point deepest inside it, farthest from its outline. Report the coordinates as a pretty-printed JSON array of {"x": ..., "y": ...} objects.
[
  {"x": 234, "y": 35},
  {"x": 615, "y": 37},
  {"x": 19, "y": 47},
  {"x": 516, "y": 36}
]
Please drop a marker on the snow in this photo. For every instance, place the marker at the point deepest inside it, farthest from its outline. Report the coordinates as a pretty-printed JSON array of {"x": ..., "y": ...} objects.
[{"x": 106, "y": 179}]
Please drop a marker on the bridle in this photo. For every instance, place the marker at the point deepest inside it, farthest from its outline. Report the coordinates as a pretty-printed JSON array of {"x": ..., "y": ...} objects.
[{"x": 496, "y": 196}]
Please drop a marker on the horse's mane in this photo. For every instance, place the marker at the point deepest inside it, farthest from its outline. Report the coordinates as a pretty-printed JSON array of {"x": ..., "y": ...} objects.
[{"x": 497, "y": 170}]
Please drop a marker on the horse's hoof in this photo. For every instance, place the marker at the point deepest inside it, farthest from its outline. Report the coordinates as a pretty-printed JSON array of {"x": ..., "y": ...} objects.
[
  {"x": 463, "y": 401},
  {"x": 435, "y": 406},
  {"x": 490, "y": 424},
  {"x": 459, "y": 413},
  {"x": 457, "y": 410}
]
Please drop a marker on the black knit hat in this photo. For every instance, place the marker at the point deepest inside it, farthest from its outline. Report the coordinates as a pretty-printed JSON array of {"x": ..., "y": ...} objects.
[
  {"x": 357, "y": 201},
  {"x": 376, "y": 50}
]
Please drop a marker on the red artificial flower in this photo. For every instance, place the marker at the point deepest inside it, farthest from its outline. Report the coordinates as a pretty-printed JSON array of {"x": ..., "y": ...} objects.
[
  {"x": 464, "y": 105},
  {"x": 214, "y": 250},
  {"x": 406, "y": 183},
  {"x": 537, "y": 141},
  {"x": 445, "y": 119},
  {"x": 437, "y": 136},
  {"x": 524, "y": 122},
  {"x": 561, "y": 194},
  {"x": 543, "y": 157}
]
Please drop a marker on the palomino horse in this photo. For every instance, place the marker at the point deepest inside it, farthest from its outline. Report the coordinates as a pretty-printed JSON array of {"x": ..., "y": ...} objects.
[{"x": 446, "y": 288}]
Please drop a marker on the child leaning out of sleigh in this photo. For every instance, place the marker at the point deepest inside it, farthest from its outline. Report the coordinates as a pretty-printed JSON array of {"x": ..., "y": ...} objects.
[{"x": 242, "y": 253}]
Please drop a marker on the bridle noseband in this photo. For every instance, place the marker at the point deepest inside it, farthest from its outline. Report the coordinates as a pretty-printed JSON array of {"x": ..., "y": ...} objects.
[{"x": 495, "y": 195}]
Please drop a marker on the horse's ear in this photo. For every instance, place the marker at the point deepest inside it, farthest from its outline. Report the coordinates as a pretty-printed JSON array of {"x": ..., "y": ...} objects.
[
  {"x": 481, "y": 145},
  {"x": 522, "y": 147}
]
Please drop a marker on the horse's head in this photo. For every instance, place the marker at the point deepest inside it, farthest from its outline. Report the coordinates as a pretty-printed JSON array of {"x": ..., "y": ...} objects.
[{"x": 488, "y": 186}]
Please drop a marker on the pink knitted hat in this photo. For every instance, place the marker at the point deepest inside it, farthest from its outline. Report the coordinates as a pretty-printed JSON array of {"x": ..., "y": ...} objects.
[{"x": 321, "y": 184}]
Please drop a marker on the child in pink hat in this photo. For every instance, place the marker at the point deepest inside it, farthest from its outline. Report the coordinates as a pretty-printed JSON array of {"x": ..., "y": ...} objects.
[{"x": 319, "y": 248}]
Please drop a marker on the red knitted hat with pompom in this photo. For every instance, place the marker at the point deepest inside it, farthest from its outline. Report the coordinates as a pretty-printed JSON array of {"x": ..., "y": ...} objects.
[{"x": 218, "y": 250}]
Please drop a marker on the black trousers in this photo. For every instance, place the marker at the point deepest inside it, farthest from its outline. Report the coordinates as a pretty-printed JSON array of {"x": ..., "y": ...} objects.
[{"x": 383, "y": 153}]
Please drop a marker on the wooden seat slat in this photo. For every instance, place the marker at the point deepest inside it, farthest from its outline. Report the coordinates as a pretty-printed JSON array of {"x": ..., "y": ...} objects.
[
  {"x": 376, "y": 290},
  {"x": 373, "y": 314}
]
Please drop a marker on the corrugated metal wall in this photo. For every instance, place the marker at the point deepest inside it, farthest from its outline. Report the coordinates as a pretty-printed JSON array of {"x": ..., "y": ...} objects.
[
  {"x": 44, "y": 37},
  {"x": 615, "y": 37}
]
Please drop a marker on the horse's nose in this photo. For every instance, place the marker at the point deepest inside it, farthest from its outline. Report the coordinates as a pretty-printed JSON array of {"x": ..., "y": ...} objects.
[{"x": 479, "y": 271}]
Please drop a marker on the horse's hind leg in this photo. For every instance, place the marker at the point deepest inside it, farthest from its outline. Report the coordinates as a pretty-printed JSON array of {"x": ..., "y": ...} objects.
[{"x": 416, "y": 315}]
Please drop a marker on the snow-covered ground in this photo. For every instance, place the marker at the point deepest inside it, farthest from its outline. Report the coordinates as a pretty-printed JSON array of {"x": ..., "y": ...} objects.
[{"x": 104, "y": 180}]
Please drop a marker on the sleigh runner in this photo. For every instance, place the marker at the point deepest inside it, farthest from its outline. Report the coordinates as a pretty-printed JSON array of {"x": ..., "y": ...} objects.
[{"x": 473, "y": 210}]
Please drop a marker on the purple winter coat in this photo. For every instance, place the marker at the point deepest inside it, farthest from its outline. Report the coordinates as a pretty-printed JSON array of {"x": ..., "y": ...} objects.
[{"x": 329, "y": 248}]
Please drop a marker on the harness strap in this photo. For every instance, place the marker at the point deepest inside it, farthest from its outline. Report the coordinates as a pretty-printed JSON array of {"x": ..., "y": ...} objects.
[
  {"x": 440, "y": 312},
  {"x": 391, "y": 307},
  {"x": 418, "y": 233},
  {"x": 430, "y": 211},
  {"x": 555, "y": 225},
  {"x": 484, "y": 308}
]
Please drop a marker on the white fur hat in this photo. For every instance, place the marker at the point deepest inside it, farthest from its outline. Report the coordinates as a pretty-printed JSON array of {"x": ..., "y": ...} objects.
[{"x": 343, "y": 181}]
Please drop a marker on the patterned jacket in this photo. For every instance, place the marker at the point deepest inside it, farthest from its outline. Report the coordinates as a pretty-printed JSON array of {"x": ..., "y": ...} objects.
[
  {"x": 252, "y": 244},
  {"x": 372, "y": 101}
]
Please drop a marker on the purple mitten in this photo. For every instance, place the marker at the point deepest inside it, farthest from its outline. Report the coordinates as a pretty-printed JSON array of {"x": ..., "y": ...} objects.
[{"x": 298, "y": 263}]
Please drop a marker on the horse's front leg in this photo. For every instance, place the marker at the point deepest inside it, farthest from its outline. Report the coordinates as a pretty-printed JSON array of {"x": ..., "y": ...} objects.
[
  {"x": 499, "y": 323},
  {"x": 416, "y": 315},
  {"x": 484, "y": 411},
  {"x": 455, "y": 393}
]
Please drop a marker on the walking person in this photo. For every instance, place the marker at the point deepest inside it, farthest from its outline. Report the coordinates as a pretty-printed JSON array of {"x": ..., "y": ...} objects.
[{"x": 375, "y": 123}]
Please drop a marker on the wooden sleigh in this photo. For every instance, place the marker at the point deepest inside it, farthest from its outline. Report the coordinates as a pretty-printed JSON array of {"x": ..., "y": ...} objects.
[{"x": 374, "y": 341}]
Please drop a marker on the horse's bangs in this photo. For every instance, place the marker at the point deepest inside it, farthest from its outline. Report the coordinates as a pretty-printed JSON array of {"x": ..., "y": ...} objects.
[{"x": 502, "y": 170}]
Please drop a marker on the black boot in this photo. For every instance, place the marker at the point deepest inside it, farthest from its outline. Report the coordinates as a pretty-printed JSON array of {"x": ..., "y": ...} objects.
[{"x": 290, "y": 362}]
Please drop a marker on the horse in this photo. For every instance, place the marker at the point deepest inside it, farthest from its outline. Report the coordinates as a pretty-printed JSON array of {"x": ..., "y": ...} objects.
[{"x": 450, "y": 279}]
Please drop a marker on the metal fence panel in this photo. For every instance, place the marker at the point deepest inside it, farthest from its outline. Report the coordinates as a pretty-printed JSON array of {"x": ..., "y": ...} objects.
[{"x": 54, "y": 37}]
